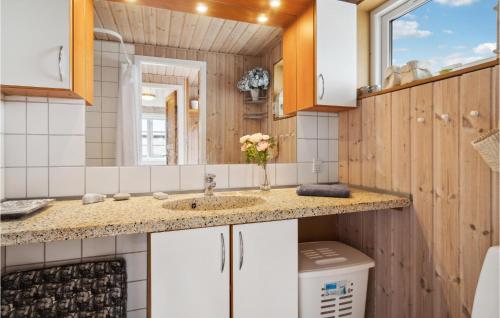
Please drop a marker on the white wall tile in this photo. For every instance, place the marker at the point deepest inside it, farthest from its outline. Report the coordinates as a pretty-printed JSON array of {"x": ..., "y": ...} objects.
[
  {"x": 286, "y": 174},
  {"x": 16, "y": 98},
  {"x": 37, "y": 182},
  {"x": 66, "y": 119},
  {"x": 108, "y": 135},
  {"x": 24, "y": 254},
  {"x": 221, "y": 175},
  {"x": 98, "y": 246},
  {"x": 192, "y": 177},
  {"x": 108, "y": 162},
  {"x": 333, "y": 127},
  {"x": 97, "y": 73},
  {"x": 93, "y": 119},
  {"x": 37, "y": 118},
  {"x": 333, "y": 150},
  {"x": 109, "y": 89},
  {"x": 63, "y": 250},
  {"x": 333, "y": 172},
  {"x": 109, "y": 104},
  {"x": 15, "y": 183},
  {"x": 93, "y": 134},
  {"x": 305, "y": 174},
  {"x": 103, "y": 180},
  {"x": 97, "y": 57},
  {"x": 110, "y": 74},
  {"x": 137, "y": 295},
  {"x": 97, "y": 88},
  {"x": 66, "y": 151},
  {"x": 37, "y": 99},
  {"x": 93, "y": 150},
  {"x": 307, "y": 150},
  {"x": 323, "y": 175},
  {"x": 93, "y": 162},
  {"x": 37, "y": 150},
  {"x": 307, "y": 127},
  {"x": 165, "y": 178},
  {"x": 137, "y": 268},
  {"x": 110, "y": 59},
  {"x": 16, "y": 114},
  {"x": 258, "y": 174},
  {"x": 131, "y": 243},
  {"x": 108, "y": 150},
  {"x": 240, "y": 176},
  {"x": 67, "y": 101},
  {"x": 98, "y": 45},
  {"x": 108, "y": 120},
  {"x": 15, "y": 150},
  {"x": 2, "y": 183},
  {"x": 108, "y": 46},
  {"x": 135, "y": 179},
  {"x": 323, "y": 127},
  {"x": 66, "y": 181},
  {"x": 323, "y": 150}
]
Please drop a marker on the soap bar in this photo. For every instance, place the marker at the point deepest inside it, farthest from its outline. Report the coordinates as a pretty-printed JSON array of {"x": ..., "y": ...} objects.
[
  {"x": 160, "y": 195},
  {"x": 121, "y": 196},
  {"x": 90, "y": 198}
]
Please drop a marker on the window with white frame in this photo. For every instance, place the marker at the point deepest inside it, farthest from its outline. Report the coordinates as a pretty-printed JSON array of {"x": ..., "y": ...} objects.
[
  {"x": 442, "y": 33},
  {"x": 154, "y": 138}
]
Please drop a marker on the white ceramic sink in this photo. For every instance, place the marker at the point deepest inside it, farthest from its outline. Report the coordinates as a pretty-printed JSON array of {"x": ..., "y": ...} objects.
[{"x": 213, "y": 203}]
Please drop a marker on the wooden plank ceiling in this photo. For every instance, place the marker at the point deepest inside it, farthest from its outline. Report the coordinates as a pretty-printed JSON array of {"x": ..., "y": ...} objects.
[
  {"x": 164, "y": 27},
  {"x": 172, "y": 71}
]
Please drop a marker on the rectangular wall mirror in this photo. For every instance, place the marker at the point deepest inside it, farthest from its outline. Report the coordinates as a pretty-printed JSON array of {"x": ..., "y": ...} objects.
[{"x": 178, "y": 101}]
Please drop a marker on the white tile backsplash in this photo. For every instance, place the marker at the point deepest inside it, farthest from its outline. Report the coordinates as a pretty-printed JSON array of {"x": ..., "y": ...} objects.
[
  {"x": 24, "y": 254},
  {"x": 137, "y": 268},
  {"x": 99, "y": 246},
  {"x": 165, "y": 178},
  {"x": 66, "y": 119},
  {"x": 37, "y": 118},
  {"x": 131, "y": 243},
  {"x": 259, "y": 176},
  {"x": 323, "y": 150},
  {"x": 307, "y": 150},
  {"x": 135, "y": 179},
  {"x": 66, "y": 181},
  {"x": 16, "y": 114},
  {"x": 103, "y": 180},
  {"x": 137, "y": 295},
  {"x": 307, "y": 127},
  {"x": 323, "y": 127},
  {"x": 63, "y": 250},
  {"x": 192, "y": 177},
  {"x": 15, "y": 150},
  {"x": 221, "y": 175},
  {"x": 66, "y": 151},
  {"x": 37, "y": 180},
  {"x": 305, "y": 174},
  {"x": 37, "y": 150},
  {"x": 15, "y": 182},
  {"x": 240, "y": 176},
  {"x": 286, "y": 174}
]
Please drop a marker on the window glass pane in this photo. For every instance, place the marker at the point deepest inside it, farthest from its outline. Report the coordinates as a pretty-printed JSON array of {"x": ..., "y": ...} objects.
[
  {"x": 445, "y": 32},
  {"x": 158, "y": 125}
]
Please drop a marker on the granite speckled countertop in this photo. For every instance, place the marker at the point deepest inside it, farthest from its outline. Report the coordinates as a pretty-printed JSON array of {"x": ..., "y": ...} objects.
[{"x": 69, "y": 219}]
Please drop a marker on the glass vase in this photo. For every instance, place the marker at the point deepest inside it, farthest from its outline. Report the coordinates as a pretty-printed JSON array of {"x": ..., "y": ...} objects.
[{"x": 265, "y": 185}]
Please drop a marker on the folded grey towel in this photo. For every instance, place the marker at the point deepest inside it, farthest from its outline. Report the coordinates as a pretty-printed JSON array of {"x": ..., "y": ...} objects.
[{"x": 324, "y": 190}]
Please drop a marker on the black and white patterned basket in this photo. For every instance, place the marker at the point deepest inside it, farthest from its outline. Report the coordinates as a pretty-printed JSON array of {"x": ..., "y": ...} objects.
[{"x": 96, "y": 289}]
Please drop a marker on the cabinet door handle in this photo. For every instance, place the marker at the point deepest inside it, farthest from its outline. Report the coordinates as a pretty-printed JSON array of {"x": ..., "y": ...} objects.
[
  {"x": 322, "y": 86},
  {"x": 241, "y": 250},
  {"x": 60, "y": 62},
  {"x": 223, "y": 253}
]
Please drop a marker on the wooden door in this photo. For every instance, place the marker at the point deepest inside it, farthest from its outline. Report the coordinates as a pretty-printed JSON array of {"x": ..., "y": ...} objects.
[
  {"x": 189, "y": 273},
  {"x": 171, "y": 122},
  {"x": 336, "y": 75},
  {"x": 290, "y": 69},
  {"x": 35, "y": 43},
  {"x": 265, "y": 270}
]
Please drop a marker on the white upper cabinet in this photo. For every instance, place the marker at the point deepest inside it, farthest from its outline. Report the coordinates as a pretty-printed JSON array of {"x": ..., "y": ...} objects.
[
  {"x": 35, "y": 43},
  {"x": 336, "y": 53},
  {"x": 265, "y": 270},
  {"x": 189, "y": 273}
]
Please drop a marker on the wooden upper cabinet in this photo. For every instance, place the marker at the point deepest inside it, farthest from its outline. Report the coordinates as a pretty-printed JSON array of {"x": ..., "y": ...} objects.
[
  {"x": 325, "y": 58},
  {"x": 47, "y": 48}
]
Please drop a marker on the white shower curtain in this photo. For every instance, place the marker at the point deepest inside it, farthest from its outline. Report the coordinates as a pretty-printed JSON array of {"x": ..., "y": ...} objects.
[{"x": 128, "y": 118}]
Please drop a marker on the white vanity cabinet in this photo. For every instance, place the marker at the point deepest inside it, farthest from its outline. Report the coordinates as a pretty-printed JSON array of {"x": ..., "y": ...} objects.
[
  {"x": 336, "y": 53},
  {"x": 190, "y": 272},
  {"x": 265, "y": 270},
  {"x": 36, "y": 46}
]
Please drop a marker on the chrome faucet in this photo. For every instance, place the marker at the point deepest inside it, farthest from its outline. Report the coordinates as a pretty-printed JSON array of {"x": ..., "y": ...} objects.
[{"x": 209, "y": 184}]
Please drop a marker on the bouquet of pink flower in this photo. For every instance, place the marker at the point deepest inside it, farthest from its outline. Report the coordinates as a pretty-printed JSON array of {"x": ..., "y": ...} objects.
[{"x": 258, "y": 148}]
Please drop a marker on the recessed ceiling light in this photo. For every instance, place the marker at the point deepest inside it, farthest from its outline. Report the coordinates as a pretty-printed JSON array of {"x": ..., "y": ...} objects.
[
  {"x": 262, "y": 18},
  {"x": 275, "y": 3},
  {"x": 201, "y": 8}
]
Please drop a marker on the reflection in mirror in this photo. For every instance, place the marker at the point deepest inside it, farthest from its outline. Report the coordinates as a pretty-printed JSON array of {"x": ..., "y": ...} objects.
[{"x": 187, "y": 108}]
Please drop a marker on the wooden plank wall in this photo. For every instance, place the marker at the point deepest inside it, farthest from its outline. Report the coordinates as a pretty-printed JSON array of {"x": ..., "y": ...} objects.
[
  {"x": 225, "y": 107},
  {"x": 283, "y": 130},
  {"x": 428, "y": 257}
]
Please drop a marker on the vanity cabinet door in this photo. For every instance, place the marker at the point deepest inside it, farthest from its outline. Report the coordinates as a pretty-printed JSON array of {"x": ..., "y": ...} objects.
[
  {"x": 265, "y": 270},
  {"x": 189, "y": 273},
  {"x": 35, "y": 43}
]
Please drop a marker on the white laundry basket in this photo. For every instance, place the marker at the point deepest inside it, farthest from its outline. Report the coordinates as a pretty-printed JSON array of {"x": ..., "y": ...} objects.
[{"x": 333, "y": 279}]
